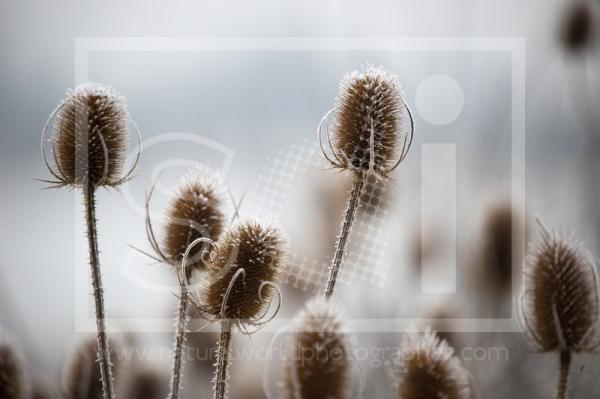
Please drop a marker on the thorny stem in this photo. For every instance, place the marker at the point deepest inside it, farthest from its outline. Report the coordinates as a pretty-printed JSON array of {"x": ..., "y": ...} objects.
[
  {"x": 103, "y": 350},
  {"x": 563, "y": 376},
  {"x": 222, "y": 366},
  {"x": 177, "y": 367},
  {"x": 351, "y": 207}
]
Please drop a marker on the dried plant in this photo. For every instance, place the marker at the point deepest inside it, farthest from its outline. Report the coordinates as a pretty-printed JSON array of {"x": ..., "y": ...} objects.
[
  {"x": 195, "y": 214},
  {"x": 368, "y": 139},
  {"x": 559, "y": 305},
  {"x": 426, "y": 367},
  {"x": 82, "y": 373},
  {"x": 145, "y": 384},
  {"x": 13, "y": 379},
  {"x": 578, "y": 27},
  {"x": 244, "y": 268},
  {"x": 89, "y": 144},
  {"x": 319, "y": 365},
  {"x": 500, "y": 243}
]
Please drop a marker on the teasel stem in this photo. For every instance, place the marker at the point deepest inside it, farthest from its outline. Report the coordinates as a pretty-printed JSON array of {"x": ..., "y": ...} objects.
[
  {"x": 182, "y": 320},
  {"x": 563, "y": 376},
  {"x": 222, "y": 366},
  {"x": 349, "y": 216},
  {"x": 103, "y": 350}
]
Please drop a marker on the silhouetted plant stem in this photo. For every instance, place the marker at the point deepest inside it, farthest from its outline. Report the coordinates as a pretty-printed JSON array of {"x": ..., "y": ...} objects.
[
  {"x": 103, "y": 350},
  {"x": 349, "y": 216},
  {"x": 182, "y": 320},
  {"x": 222, "y": 366},
  {"x": 563, "y": 375}
]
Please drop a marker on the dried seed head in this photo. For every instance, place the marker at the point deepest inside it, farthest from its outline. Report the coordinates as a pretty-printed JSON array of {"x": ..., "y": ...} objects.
[
  {"x": 257, "y": 248},
  {"x": 426, "y": 367},
  {"x": 494, "y": 267},
  {"x": 146, "y": 384},
  {"x": 90, "y": 135},
  {"x": 82, "y": 378},
  {"x": 319, "y": 365},
  {"x": 560, "y": 301},
  {"x": 195, "y": 211},
  {"x": 369, "y": 111},
  {"x": 12, "y": 374},
  {"x": 578, "y": 27}
]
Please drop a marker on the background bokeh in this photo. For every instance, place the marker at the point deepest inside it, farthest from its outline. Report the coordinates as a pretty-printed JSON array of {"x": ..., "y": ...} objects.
[{"x": 262, "y": 108}]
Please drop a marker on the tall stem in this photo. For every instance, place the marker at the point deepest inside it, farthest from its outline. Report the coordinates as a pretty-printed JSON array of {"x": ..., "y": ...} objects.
[
  {"x": 563, "y": 375},
  {"x": 102, "y": 338},
  {"x": 350, "y": 213},
  {"x": 177, "y": 367},
  {"x": 222, "y": 367}
]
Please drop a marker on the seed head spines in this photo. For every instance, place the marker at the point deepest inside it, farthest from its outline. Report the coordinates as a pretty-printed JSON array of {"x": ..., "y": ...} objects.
[
  {"x": 368, "y": 120},
  {"x": 560, "y": 302},
  {"x": 426, "y": 367},
  {"x": 91, "y": 136}
]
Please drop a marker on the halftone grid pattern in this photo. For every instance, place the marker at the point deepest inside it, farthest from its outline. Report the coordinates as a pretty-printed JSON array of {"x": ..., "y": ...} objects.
[{"x": 364, "y": 262}]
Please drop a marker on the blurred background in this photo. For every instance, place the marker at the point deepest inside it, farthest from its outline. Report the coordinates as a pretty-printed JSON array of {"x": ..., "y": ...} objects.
[{"x": 417, "y": 256}]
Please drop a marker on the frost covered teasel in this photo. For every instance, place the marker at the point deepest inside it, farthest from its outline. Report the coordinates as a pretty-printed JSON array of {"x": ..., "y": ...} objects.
[
  {"x": 245, "y": 265},
  {"x": 426, "y": 367},
  {"x": 319, "y": 365},
  {"x": 89, "y": 147},
  {"x": 195, "y": 215},
  {"x": 90, "y": 138},
  {"x": 367, "y": 138},
  {"x": 559, "y": 303}
]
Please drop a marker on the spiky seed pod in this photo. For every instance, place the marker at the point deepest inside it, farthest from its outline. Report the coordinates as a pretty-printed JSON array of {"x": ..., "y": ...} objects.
[
  {"x": 560, "y": 301},
  {"x": 425, "y": 367},
  {"x": 560, "y": 304},
  {"x": 260, "y": 250},
  {"x": 91, "y": 137},
  {"x": 368, "y": 120},
  {"x": 13, "y": 383},
  {"x": 319, "y": 365},
  {"x": 194, "y": 212},
  {"x": 81, "y": 377},
  {"x": 578, "y": 29}
]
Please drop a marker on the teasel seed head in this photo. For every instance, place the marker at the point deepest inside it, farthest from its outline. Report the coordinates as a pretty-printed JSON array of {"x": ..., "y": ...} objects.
[
  {"x": 319, "y": 365},
  {"x": 90, "y": 137},
  {"x": 369, "y": 112},
  {"x": 426, "y": 367},
  {"x": 578, "y": 29},
  {"x": 195, "y": 211},
  {"x": 245, "y": 266},
  {"x": 13, "y": 380},
  {"x": 495, "y": 258},
  {"x": 560, "y": 299},
  {"x": 82, "y": 378}
]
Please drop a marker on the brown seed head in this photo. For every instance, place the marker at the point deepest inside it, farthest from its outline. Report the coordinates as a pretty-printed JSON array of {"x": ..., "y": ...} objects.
[
  {"x": 578, "y": 29},
  {"x": 319, "y": 365},
  {"x": 368, "y": 121},
  {"x": 12, "y": 374},
  {"x": 260, "y": 250},
  {"x": 82, "y": 378},
  {"x": 195, "y": 211},
  {"x": 91, "y": 136},
  {"x": 560, "y": 301},
  {"x": 496, "y": 249},
  {"x": 426, "y": 367}
]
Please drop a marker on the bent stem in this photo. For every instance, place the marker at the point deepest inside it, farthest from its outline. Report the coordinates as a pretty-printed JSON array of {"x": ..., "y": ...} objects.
[
  {"x": 350, "y": 213},
  {"x": 222, "y": 366},
  {"x": 178, "y": 341},
  {"x": 563, "y": 376},
  {"x": 103, "y": 350}
]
